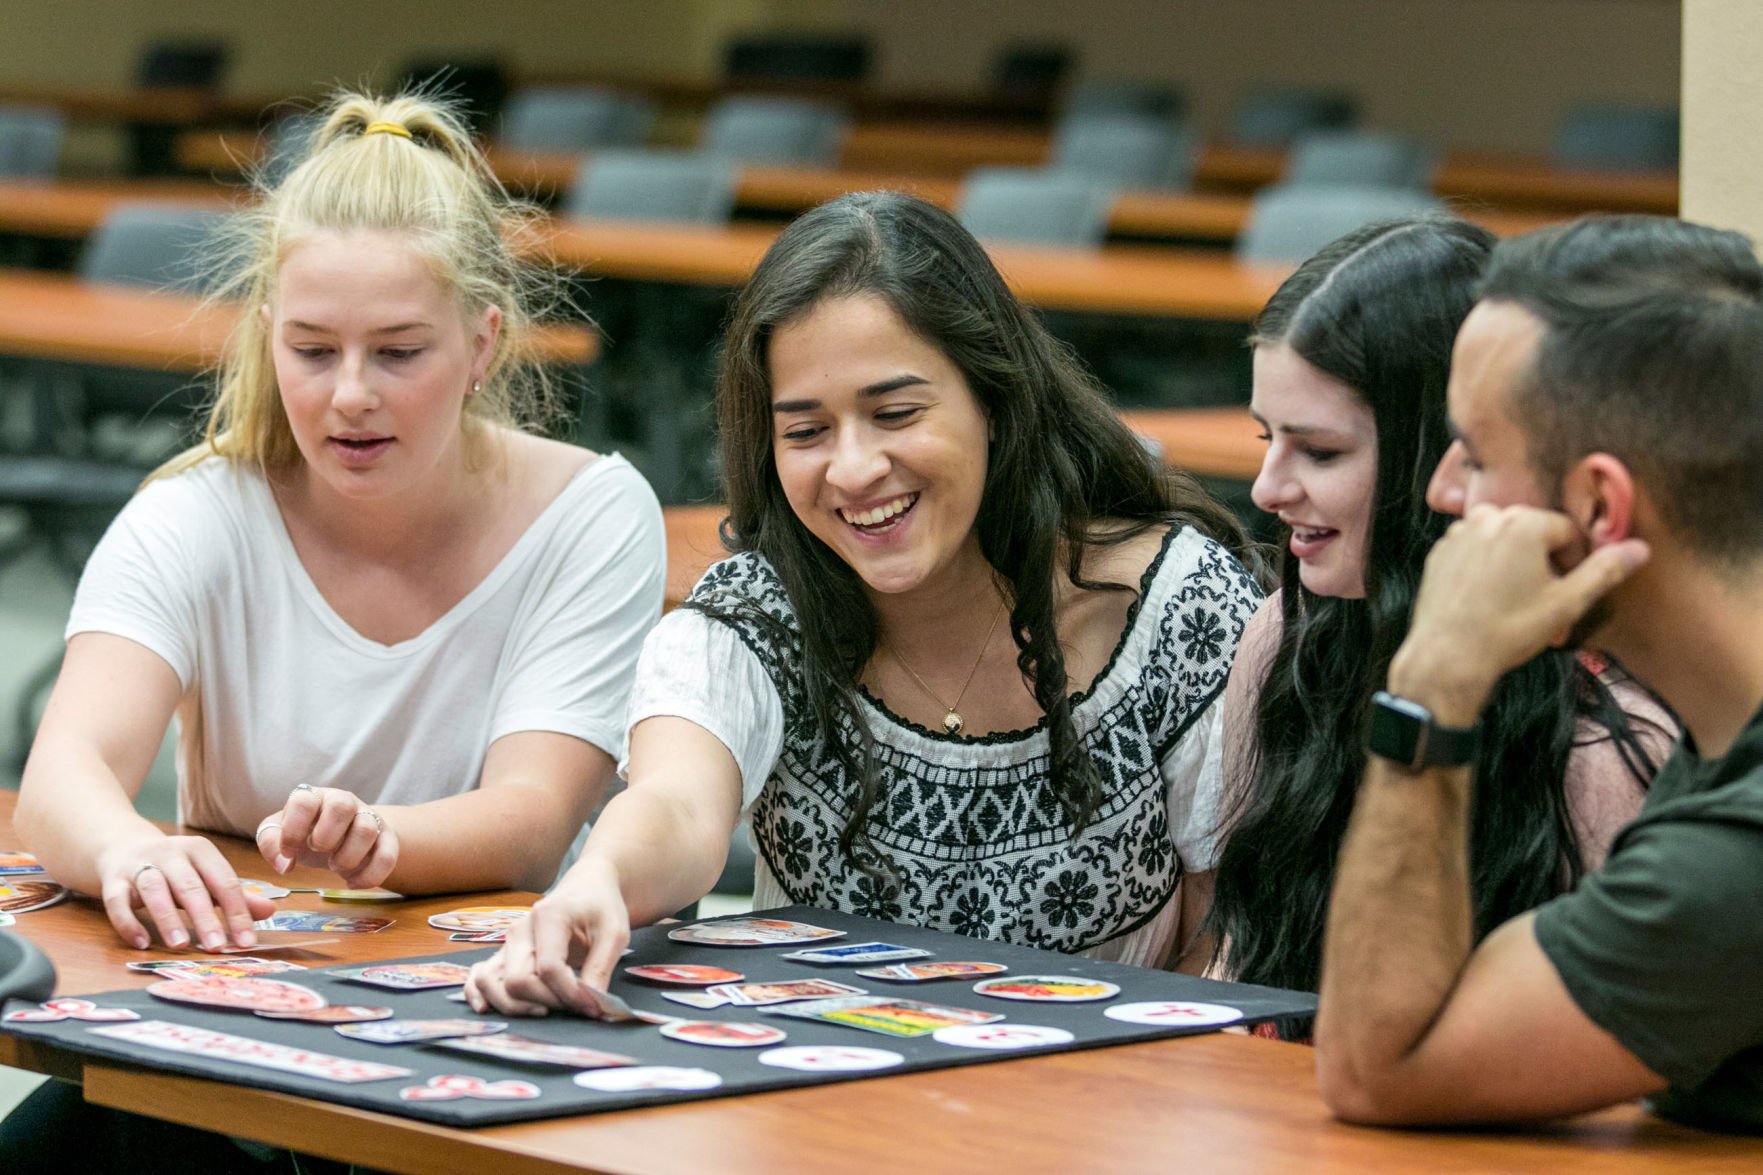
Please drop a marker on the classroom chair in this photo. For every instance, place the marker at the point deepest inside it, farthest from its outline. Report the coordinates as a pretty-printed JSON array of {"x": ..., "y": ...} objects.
[
  {"x": 1368, "y": 158},
  {"x": 774, "y": 57},
  {"x": 1035, "y": 207},
  {"x": 1287, "y": 222},
  {"x": 1031, "y": 72},
  {"x": 1618, "y": 138},
  {"x": 156, "y": 245},
  {"x": 752, "y": 129},
  {"x": 172, "y": 65},
  {"x": 25, "y": 971},
  {"x": 575, "y": 118},
  {"x": 1127, "y": 150},
  {"x": 1149, "y": 99},
  {"x": 30, "y": 141},
  {"x": 653, "y": 184},
  {"x": 1273, "y": 116}
]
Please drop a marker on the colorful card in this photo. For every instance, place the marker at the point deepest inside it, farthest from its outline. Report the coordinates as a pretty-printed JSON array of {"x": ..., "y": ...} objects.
[
  {"x": 480, "y": 919},
  {"x": 722, "y": 1033},
  {"x": 250, "y": 994},
  {"x": 1048, "y": 989},
  {"x": 312, "y": 921},
  {"x": 180, "y": 1038},
  {"x": 67, "y": 1008},
  {"x": 21, "y": 897},
  {"x": 702, "y": 1000},
  {"x": 925, "y": 972},
  {"x": 473, "y": 936},
  {"x": 413, "y": 1031},
  {"x": 685, "y": 974},
  {"x": 231, "y": 968},
  {"x": 611, "y": 1007},
  {"x": 506, "y": 1046},
  {"x": 334, "y": 1014},
  {"x": 751, "y": 932},
  {"x": 754, "y": 995},
  {"x": 858, "y": 952},
  {"x": 18, "y": 863},
  {"x": 407, "y": 976},
  {"x": 887, "y": 1016},
  {"x": 452, "y": 1085},
  {"x": 263, "y": 889}
]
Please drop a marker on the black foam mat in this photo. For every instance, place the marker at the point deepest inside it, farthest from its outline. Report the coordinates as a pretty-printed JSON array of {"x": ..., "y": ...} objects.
[{"x": 740, "y": 1069}]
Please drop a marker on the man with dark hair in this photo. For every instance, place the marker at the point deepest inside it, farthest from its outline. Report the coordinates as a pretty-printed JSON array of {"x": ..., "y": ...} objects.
[{"x": 1607, "y": 394}]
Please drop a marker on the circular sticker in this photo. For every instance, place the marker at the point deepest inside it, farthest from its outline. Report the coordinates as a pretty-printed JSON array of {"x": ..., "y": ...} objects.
[
  {"x": 21, "y": 897},
  {"x": 827, "y": 1058},
  {"x": 684, "y": 974},
  {"x": 1171, "y": 1013},
  {"x": 250, "y": 993},
  {"x": 637, "y": 1077},
  {"x": 722, "y": 1033},
  {"x": 1001, "y": 1036},
  {"x": 480, "y": 919},
  {"x": 334, "y": 1014},
  {"x": 263, "y": 889},
  {"x": 1052, "y": 989}
]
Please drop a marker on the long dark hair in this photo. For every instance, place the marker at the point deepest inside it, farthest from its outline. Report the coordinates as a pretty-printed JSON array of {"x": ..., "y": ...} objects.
[
  {"x": 1062, "y": 472},
  {"x": 1379, "y": 310}
]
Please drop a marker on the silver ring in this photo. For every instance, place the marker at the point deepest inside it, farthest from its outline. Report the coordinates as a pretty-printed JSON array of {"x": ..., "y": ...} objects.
[
  {"x": 378, "y": 824},
  {"x": 263, "y": 828},
  {"x": 304, "y": 787},
  {"x": 135, "y": 877}
]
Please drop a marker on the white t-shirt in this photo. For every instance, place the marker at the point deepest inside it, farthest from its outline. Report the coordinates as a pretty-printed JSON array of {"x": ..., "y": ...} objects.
[
  {"x": 279, "y": 690},
  {"x": 972, "y": 839}
]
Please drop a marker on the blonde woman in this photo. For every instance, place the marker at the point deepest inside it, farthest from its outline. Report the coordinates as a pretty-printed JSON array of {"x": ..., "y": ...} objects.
[{"x": 396, "y": 628}]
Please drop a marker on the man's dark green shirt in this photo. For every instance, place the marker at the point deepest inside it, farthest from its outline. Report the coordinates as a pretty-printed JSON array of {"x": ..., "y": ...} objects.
[{"x": 1663, "y": 947}]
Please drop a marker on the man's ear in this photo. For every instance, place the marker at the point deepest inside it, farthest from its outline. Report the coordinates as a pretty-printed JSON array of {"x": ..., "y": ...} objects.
[{"x": 1598, "y": 493}]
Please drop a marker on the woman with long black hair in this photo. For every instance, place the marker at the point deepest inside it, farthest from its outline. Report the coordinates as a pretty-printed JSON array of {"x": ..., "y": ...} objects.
[{"x": 1351, "y": 360}]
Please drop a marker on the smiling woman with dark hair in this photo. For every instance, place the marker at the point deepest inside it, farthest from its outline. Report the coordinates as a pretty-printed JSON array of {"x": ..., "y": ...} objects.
[{"x": 961, "y": 668}]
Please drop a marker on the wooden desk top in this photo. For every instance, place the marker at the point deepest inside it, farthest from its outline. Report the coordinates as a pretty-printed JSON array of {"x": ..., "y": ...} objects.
[
  {"x": 57, "y": 316},
  {"x": 1216, "y": 442},
  {"x": 161, "y": 105},
  {"x": 72, "y": 209},
  {"x": 1220, "y": 1103}
]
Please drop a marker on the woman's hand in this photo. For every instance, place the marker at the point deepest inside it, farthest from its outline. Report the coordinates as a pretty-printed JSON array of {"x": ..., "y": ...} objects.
[
  {"x": 171, "y": 877},
  {"x": 556, "y": 956},
  {"x": 332, "y": 829}
]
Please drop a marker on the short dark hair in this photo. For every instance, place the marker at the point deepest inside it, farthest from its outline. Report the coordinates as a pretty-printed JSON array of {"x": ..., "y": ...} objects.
[{"x": 1653, "y": 353}]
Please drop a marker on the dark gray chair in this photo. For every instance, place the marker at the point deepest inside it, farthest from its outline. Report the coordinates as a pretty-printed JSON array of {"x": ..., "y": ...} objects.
[
  {"x": 1031, "y": 72},
  {"x": 480, "y": 84},
  {"x": 25, "y": 972},
  {"x": 797, "y": 57},
  {"x": 1364, "y": 158},
  {"x": 1035, "y": 207},
  {"x": 30, "y": 141},
  {"x": 653, "y": 184},
  {"x": 1127, "y": 150},
  {"x": 157, "y": 245},
  {"x": 1274, "y": 116},
  {"x": 575, "y": 118},
  {"x": 1287, "y": 223},
  {"x": 752, "y": 129},
  {"x": 180, "y": 65},
  {"x": 1618, "y": 138}
]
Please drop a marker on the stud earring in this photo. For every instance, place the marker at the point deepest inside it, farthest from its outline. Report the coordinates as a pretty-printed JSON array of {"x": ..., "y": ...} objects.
[{"x": 477, "y": 385}]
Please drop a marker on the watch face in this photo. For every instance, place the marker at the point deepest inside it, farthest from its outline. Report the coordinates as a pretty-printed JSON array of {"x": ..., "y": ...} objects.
[{"x": 1395, "y": 728}]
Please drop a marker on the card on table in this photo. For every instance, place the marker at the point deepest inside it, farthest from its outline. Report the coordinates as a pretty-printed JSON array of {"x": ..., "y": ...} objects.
[
  {"x": 181, "y": 1038},
  {"x": 236, "y": 967},
  {"x": 406, "y": 976},
  {"x": 480, "y": 919},
  {"x": 250, "y": 993},
  {"x": 312, "y": 921},
  {"x": 413, "y": 1031},
  {"x": 753, "y": 995},
  {"x": 333, "y": 1014},
  {"x": 925, "y": 972},
  {"x": 890, "y": 1017},
  {"x": 21, "y": 897},
  {"x": 1048, "y": 989},
  {"x": 507, "y": 1046},
  {"x": 685, "y": 974},
  {"x": 858, "y": 952},
  {"x": 18, "y": 863},
  {"x": 751, "y": 932},
  {"x": 725, "y": 1034}
]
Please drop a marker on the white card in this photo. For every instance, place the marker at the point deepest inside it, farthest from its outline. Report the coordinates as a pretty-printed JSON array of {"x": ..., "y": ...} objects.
[{"x": 180, "y": 1038}]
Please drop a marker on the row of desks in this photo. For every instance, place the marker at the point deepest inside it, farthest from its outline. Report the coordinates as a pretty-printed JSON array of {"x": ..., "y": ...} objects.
[{"x": 1221, "y": 1103}]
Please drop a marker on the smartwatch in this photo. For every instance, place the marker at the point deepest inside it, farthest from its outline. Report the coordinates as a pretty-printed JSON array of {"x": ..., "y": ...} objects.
[{"x": 1405, "y": 732}]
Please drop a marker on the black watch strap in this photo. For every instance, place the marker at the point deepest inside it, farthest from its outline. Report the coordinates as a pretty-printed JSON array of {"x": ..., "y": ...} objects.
[{"x": 1405, "y": 732}]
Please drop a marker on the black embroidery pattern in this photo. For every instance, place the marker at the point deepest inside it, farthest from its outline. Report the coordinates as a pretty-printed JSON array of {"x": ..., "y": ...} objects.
[{"x": 975, "y": 841}]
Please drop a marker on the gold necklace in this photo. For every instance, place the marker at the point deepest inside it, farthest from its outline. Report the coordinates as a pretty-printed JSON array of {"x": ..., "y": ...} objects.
[{"x": 952, "y": 721}]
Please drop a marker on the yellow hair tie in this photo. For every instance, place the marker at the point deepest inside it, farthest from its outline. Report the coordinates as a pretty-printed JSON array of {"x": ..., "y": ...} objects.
[{"x": 386, "y": 128}]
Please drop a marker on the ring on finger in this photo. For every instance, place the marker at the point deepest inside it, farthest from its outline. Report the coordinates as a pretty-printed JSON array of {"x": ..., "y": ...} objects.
[
  {"x": 135, "y": 877},
  {"x": 265, "y": 827},
  {"x": 304, "y": 787},
  {"x": 378, "y": 824}
]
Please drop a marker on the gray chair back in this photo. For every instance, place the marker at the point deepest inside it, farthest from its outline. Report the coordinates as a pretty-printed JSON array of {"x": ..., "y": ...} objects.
[
  {"x": 575, "y": 118},
  {"x": 30, "y": 141},
  {"x": 1618, "y": 138},
  {"x": 1274, "y": 116},
  {"x": 1367, "y": 158},
  {"x": 1127, "y": 150},
  {"x": 159, "y": 246},
  {"x": 1288, "y": 223},
  {"x": 679, "y": 186},
  {"x": 776, "y": 130},
  {"x": 1028, "y": 206},
  {"x": 25, "y": 972}
]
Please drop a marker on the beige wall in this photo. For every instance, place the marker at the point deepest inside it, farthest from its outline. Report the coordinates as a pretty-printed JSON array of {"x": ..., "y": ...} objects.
[
  {"x": 1495, "y": 73},
  {"x": 1723, "y": 114}
]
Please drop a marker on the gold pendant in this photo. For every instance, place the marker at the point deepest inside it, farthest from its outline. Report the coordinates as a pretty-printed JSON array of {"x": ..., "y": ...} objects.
[{"x": 952, "y": 722}]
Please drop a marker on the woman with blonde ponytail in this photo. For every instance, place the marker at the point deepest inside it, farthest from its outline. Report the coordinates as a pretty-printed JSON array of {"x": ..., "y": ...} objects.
[{"x": 395, "y": 626}]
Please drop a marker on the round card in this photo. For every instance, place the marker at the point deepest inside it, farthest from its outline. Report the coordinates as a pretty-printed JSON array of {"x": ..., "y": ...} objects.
[
  {"x": 21, "y": 897},
  {"x": 334, "y": 1014},
  {"x": 722, "y": 1033},
  {"x": 827, "y": 1058},
  {"x": 480, "y": 919},
  {"x": 17, "y": 862},
  {"x": 263, "y": 889},
  {"x": 1054, "y": 989},
  {"x": 637, "y": 1077},
  {"x": 684, "y": 974},
  {"x": 920, "y": 972},
  {"x": 1168, "y": 1013},
  {"x": 1001, "y": 1036},
  {"x": 250, "y": 994}
]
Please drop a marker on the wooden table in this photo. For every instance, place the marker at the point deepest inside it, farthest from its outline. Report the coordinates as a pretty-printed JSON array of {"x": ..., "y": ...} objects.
[
  {"x": 57, "y": 316},
  {"x": 1220, "y": 1103},
  {"x": 72, "y": 209},
  {"x": 1215, "y": 442}
]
